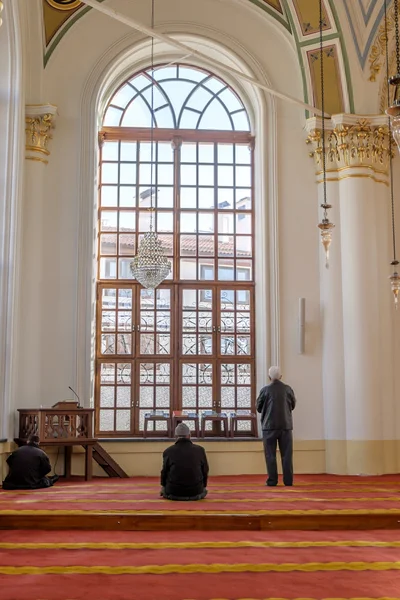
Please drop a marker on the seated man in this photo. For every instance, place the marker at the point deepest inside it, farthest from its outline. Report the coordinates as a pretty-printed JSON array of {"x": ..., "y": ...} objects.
[
  {"x": 185, "y": 468},
  {"x": 28, "y": 467}
]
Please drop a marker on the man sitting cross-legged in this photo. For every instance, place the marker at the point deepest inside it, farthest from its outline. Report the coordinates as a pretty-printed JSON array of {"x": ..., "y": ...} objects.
[
  {"x": 185, "y": 468},
  {"x": 28, "y": 467}
]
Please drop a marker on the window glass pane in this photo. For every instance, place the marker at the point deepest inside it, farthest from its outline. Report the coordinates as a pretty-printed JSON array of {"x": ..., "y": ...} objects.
[
  {"x": 112, "y": 117},
  {"x": 225, "y": 153},
  {"x": 206, "y": 175},
  {"x": 206, "y": 197},
  {"x": 215, "y": 117},
  {"x": 189, "y": 119},
  {"x": 127, "y": 196},
  {"x": 123, "y": 96},
  {"x": 127, "y": 173},
  {"x": 109, "y": 195},
  {"x": 137, "y": 114},
  {"x": 188, "y": 222},
  {"x": 109, "y": 173},
  {"x": 206, "y": 222},
  {"x": 188, "y": 153},
  {"x": 165, "y": 197},
  {"x": 165, "y": 221},
  {"x": 206, "y": 153},
  {"x": 128, "y": 151},
  {"x": 109, "y": 151},
  {"x": 243, "y": 154},
  {"x": 188, "y": 197},
  {"x": 188, "y": 175}
]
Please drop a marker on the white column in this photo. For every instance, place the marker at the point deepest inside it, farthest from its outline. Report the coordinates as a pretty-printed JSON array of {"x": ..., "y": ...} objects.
[
  {"x": 359, "y": 375},
  {"x": 39, "y": 125},
  {"x": 331, "y": 312}
]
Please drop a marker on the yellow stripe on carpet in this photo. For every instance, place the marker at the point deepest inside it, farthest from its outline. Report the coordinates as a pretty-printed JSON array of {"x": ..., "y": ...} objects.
[
  {"x": 190, "y": 545},
  {"x": 279, "y": 499},
  {"x": 364, "y": 598},
  {"x": 202, "y": 568},
  {"x": 214, "y": 490}
]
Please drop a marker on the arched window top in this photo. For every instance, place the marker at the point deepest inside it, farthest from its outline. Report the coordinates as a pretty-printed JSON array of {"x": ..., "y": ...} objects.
[{"x": 185, "y": 97}]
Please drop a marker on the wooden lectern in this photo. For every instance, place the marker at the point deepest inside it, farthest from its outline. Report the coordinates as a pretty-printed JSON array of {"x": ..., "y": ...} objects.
[{"x": 65, "y": 424}]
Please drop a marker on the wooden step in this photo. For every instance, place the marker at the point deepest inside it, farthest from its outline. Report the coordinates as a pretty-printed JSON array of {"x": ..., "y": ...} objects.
[{"x": 107, "y": 463}]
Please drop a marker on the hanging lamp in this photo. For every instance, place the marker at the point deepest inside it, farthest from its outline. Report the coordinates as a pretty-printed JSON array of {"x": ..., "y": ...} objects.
[
  {"x": 394, "y": 132},
  {"x": 394, "y": 110},
  {"x": 325, "y": 225},
  {"x": 150, "y": 266}
]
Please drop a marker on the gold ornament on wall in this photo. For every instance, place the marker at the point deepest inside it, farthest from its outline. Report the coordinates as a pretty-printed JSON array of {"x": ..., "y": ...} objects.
[
  {"x": 39, "y": 123},
  {"x": 64, "y": 4},
  {"x": 377, "y": 54},
  {"x": 1, "y": 10},
  {"x": 353, "y": 145}
]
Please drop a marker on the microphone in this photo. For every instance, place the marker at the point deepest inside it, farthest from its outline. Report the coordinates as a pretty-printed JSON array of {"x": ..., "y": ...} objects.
[{"x": 76, "y": 395}]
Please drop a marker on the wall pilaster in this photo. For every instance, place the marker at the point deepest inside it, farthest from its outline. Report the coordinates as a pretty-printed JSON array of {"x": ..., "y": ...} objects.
[
  {"x": 358, "y": 372},
  {"x": 39, "y": 123}
]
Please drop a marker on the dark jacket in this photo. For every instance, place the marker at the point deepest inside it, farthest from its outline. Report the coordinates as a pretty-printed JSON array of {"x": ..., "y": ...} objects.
[
  {"x": 28, "y": 466},
  {"x": 275, "y": 403},
  {"x": 185, "y": 469}
]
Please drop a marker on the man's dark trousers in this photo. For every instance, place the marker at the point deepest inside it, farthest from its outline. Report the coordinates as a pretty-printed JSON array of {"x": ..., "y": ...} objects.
[{"x": 284, "y": 438}]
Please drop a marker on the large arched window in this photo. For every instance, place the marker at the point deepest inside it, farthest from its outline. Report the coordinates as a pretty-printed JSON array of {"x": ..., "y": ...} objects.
[{"x": 188, "y": 345}]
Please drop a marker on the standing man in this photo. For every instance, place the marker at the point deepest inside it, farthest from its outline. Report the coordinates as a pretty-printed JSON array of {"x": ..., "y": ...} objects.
[{"x": 276, "y": 403}]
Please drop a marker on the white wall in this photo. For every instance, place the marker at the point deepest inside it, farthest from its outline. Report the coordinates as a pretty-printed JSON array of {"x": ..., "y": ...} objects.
[{"x": 286, "y": 206}]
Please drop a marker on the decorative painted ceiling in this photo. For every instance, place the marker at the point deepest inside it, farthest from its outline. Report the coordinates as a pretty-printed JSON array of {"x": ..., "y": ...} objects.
[{"x": 301, "y": 19}]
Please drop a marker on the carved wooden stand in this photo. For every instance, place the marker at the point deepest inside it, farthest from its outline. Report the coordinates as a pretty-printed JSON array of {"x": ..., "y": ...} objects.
[{"x": 62, "y": 425}]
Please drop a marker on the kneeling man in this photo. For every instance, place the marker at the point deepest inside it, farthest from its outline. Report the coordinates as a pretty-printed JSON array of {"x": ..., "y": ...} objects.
[
  {"x": 28, "y": 467},
  {"x": 185, "y": 468}
]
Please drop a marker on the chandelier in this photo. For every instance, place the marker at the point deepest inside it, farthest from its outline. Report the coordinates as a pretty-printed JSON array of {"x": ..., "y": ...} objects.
[
  {"x": 393, "y": 113},
  {"x": 150, "y": 266},
  {"x": 325, "y": 226},
  {"x": 1, "y": 10}
]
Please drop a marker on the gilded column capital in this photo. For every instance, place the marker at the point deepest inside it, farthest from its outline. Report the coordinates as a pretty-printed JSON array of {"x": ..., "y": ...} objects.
[
  {"x": 355, "y": 145},
  {"x": 39, "y": 123}
]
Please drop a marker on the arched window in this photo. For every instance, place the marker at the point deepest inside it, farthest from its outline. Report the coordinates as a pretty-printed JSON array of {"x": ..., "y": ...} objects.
[{"x": 189, "y": 345}]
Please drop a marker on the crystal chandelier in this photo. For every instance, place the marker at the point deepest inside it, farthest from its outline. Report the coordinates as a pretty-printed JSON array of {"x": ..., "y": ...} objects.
[
  {"x": 326, "y": 227},
  {"x": 393, "y": 113},
  {"x": 150, "y": 266}
]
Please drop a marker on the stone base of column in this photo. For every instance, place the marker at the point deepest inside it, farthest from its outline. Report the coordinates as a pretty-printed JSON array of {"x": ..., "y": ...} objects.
[{"x": 362, "y": 457}]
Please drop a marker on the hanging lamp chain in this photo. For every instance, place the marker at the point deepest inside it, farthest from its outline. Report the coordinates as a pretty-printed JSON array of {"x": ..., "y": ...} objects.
[
  {"x": 396, "y": 29},
  {"x": 325, "y": 226},
  {"x": 321, "y": 24},
  {"x": 152, "y": 121},
  {"x": 150, "y": 266},
  {"x": 394, "y": 278},
  {"x": 389, "y": 117}
]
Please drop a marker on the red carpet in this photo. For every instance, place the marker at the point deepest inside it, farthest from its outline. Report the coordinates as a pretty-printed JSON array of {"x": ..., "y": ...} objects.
[
  {"x": 290, "y": 564},
  {"x": 226, "y": 494},
  {"x": 84, "y": 565}
]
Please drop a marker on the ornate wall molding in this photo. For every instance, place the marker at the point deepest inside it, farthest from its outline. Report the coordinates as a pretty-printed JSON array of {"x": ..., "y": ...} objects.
[
  {"x": 377, "y": 54},
  {"x": 39, "y": 123},
  {"x": 351, "y": 141}
]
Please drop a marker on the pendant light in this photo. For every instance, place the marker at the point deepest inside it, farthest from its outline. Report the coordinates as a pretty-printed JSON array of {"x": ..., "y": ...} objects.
[
  {"x": 150, "y": 266},
  {"x": 394, "y": 110},
  {"x": 393, "y": 128},
  {"x": 325, "y": 225}
]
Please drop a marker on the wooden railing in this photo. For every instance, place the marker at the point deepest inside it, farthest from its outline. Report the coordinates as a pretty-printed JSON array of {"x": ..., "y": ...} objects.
[{"x": 62, "y": 424}]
